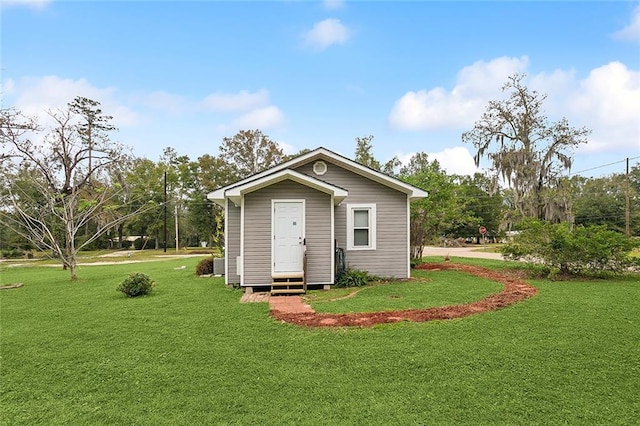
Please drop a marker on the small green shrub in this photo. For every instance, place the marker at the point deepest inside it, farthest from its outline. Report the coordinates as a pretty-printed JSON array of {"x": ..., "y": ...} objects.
[
  {"x": 353, "y": 278},
  {"x": 12, "y": 253},
  {"x": 144, "y": 244},
  {"x": 205, "y": 266},
  {"x": 572, "y": 251},
  {"x": 137, "y": 284}
]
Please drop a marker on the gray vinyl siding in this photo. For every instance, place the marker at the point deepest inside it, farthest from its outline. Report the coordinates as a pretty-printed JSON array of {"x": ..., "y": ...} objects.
[
  {"x": 232, "y": 235},
  {"x": 258, "y": 238},
  {"x": 391, "y": 256}
]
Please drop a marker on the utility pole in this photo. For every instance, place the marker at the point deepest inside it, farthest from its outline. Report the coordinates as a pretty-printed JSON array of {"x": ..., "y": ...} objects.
[
  {"x": 626, "y": 210},
  {"x": 165, "y": 212},
  {"x": 176, "y": 214}
]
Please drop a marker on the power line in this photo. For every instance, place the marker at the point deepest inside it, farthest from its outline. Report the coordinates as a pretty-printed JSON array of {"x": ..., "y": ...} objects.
[{"x": 602, "y": 166}]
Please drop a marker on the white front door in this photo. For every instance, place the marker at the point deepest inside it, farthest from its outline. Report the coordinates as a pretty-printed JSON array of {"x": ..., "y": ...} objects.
[{"x": 288, "y": 235}]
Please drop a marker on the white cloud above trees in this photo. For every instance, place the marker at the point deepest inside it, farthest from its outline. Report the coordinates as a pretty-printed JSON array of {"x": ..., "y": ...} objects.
[
  {"x": 326, "y": 33},
  {"x": 455, "y": 160},
  {"x": 262, "y": 118},
  {"x": 630, "y": 32},
  {"x": 241, "y": 101},
  {"x": 607, "y": 101},
  {"x": 255, "y": 108},
  {"x": 36, "y": 95},
  {"x": 439, "y": 108}
]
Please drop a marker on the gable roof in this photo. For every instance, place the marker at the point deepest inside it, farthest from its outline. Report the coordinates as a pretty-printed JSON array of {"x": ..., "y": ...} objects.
[
  {"x": 235, "y": 193},
  {"x": 219, "y": 195}
]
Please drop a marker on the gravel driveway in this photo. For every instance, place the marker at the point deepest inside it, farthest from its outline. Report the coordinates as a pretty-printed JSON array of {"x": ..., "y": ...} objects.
[{"x": 461, "y": 252}]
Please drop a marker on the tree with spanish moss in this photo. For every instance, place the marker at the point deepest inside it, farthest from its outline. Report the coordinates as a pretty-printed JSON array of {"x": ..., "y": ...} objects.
[{"x": 525, "y": 149}]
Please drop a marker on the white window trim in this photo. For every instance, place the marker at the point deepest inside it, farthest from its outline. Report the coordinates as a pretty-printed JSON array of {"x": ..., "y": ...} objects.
[{"x": 372, "y": 226}]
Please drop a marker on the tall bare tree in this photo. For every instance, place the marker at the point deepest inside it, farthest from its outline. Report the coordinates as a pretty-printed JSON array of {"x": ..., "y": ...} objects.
[
  {"x": 70, "y": 179},
  {"x": 527, "y": 150}
]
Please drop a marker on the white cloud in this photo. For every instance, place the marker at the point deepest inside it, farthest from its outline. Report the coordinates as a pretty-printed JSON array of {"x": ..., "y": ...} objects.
[
  {"x": 483, "y": 78},
  {"x": 34, "y": 4},
  {"x": 333, "y": 4},
  {"x": 262, "y": 118},
  {"x": 606, "y": 101},
  {"x": 164, "y": 101},
  {"x": 325, "y": 33},
  {"x": 287, "y": 148},
  {"x": 438, "y": 108},
  {"x": 7, "y": 86},
  {"x": 36, "y": 95},
  {"x": 456, "y": 160},
  {"x": 241, "y": 101},
  {"x": 631, "y": 32},
  {"x": 557, "y": 82},
  {"x": 254, "y": 107}
]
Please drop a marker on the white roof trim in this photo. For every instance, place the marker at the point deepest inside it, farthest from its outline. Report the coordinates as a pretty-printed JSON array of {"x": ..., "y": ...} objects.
[
  {"x": 412, "y": 191},
  {"x": 235, "y": 193},
  {"x": 217, "y": 196}
]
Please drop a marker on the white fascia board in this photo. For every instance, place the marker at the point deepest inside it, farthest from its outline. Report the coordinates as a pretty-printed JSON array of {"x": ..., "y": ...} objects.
[
  {"x": 217, "y": 197},
  {"x": 418, "y": 194},
  {"x": 236, "y": 193}
]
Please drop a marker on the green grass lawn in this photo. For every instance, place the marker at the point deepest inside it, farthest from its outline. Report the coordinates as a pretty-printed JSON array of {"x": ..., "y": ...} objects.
[
  {"x": 121, "y": 255},
  {"x": 433, "y": 288},
  {"x": 82, "y": 353},
  {"x": 489, "y": 248}
]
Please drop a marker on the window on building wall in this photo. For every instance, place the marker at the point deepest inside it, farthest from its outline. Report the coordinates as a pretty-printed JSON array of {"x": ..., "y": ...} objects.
[{"x": 361, "y": 226}]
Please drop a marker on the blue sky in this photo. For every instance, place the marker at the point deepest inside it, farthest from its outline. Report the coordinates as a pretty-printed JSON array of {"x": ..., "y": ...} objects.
[{"x": 413, "y": 74}]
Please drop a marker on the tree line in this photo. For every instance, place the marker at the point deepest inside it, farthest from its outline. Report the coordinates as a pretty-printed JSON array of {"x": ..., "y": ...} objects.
[{"x": 68, "y": 186}]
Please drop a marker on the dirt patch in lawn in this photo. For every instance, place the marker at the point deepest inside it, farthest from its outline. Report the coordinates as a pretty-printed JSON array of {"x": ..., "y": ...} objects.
[
  {"x": 515, "y": 290},
  {"x": 10, "y": 286}
]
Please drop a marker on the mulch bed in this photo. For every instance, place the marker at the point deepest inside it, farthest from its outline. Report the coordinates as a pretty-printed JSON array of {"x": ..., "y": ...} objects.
[{"x": 514, "y": 291}]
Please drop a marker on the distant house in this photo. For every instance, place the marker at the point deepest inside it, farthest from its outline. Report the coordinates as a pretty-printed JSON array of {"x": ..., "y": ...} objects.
[
  {"x": 283, "y": 225},
  {"x": 127, "y": 241}
]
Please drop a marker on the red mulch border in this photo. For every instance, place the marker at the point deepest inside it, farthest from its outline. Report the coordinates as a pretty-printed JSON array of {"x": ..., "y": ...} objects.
[{"x": 514, "y": 291}]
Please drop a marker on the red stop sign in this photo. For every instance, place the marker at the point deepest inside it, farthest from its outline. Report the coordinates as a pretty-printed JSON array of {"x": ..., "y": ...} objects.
[{"x": 482, "y": 230}]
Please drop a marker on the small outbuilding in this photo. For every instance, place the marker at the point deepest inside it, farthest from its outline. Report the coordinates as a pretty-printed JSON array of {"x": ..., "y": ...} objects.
[{"x": 284, "y": 226}]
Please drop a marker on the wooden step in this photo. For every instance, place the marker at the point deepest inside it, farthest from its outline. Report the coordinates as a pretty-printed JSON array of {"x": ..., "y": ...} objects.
[
  {"x": 287, "y": 275},
  {"x": 287, "y": 291},
  {"x": 293, "y": 285},
  {"x": 287, "y": 283},
  {"x": 289, "y": 280}
]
